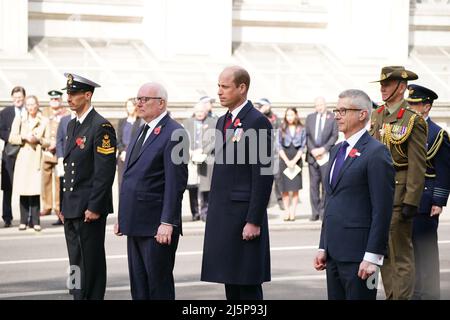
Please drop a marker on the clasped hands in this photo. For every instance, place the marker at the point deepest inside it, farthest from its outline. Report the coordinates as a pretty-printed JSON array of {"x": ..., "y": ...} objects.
[{"x": 89, "y": 216}]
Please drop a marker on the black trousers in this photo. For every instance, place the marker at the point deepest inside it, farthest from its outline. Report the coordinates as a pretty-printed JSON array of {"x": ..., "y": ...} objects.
[
  {"x": 426, "y": 256},
  {"x": 193, "y": 201},
  {"x": 29, "y": 209},
  {"x": 86, "y": 247},
  {"x": 7, "y": 210},
  {"x": 150, "y": 267},
  {"x": 317, "y": 190},
  {"x": 243, "y": 292},
  {"x": 343, "y": 282}
]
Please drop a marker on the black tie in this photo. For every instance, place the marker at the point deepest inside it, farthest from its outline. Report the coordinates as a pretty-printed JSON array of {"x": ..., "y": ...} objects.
[
  {"x": 138, "y": 145},
  {"x": 76, "y": 127},
  {"x": 319, "y": 132}
]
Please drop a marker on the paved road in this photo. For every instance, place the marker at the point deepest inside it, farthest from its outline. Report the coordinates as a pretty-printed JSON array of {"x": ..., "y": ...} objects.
[{"x": 33, "y": 265}]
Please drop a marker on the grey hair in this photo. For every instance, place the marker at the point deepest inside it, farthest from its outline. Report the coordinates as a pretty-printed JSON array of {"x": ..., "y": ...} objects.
[
  {"x": 359, "y": 99},
  {"x": 160, "y": 90}
]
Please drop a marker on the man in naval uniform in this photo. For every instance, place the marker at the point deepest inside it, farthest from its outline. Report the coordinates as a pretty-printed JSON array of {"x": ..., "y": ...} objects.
[
  {"x": 434, "y": 197},
  {"x": 404, "y": 132},
  {"x": 89, "y": 168}
]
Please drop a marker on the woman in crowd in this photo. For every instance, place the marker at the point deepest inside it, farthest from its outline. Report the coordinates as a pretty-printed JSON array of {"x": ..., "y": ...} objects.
[
  {"x": 28, "y": 132},
  {"x": 292, "y": 139},
  {"x": 126, "y": 129}
]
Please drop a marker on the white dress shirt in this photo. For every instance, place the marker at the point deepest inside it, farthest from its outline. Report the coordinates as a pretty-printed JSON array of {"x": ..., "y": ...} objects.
[{"x": 236, "y": 111}]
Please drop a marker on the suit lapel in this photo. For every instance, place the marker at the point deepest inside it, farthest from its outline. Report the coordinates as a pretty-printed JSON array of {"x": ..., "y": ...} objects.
[
  {"x": 149, "y": 140},
  {"x": 131, "y": 146},
  {"x": 241, "y": 115},
  {"x": 333, "y": 155},
  {"x": 82, "y": 129},
  {"x": 70, "y": 144},
  {"x": 360, "y": 145},
  {"x": 153, "y": 136}
]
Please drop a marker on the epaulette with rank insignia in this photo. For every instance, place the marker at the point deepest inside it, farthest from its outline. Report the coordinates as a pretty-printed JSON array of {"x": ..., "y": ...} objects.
[{"x": 106, "y": 147}]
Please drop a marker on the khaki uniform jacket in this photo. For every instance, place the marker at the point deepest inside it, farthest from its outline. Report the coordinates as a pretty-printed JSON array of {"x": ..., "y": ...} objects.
[{"x": 405, "y": 134}]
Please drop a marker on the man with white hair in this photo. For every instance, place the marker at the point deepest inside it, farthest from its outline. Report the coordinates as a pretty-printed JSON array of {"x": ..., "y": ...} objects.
[
  {"x": 151, "y": 194},
  {"x": 201, "y": 132},
  {"x": 360, "y": 192}
]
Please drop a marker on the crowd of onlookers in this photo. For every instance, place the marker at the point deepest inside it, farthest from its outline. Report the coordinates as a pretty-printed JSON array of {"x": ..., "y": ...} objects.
[{"x": 34, "y": 138}]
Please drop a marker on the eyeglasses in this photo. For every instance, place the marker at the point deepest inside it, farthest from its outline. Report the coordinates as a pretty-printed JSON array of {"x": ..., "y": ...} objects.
[
  {"x": 342, "y": 112},
  {"x": 144, "y": 99}
]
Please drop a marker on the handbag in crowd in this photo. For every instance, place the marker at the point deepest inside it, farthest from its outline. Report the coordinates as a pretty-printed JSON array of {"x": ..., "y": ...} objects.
[{"x": 11, "y": 150}]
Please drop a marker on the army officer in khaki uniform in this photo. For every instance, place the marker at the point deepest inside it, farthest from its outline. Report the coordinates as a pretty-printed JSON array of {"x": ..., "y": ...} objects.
[
  {"x": 50, "y": 195},
  {"x": 404, "y": 132}
]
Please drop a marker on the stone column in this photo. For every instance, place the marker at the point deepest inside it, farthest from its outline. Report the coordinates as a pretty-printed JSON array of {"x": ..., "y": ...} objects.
[
  {"x": 369, "y": 29},
  {"x": 195, "y": 27},
  {"x": 13, "y": 27}
]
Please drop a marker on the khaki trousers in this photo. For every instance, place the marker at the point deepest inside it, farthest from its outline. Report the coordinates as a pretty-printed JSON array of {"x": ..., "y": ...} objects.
[
  {"x": 397, "y": 271},
  {"x": 48, "y": 176}
]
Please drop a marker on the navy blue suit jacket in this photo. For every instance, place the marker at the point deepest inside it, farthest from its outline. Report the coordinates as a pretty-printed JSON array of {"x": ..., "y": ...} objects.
[
  {"x": 358, "y": 209},
  {"x": 7, "y": 116},
  {"x": 239, "y": 194},
  {"x": 61, "y": 135},
  {"x": 153, "y": 185},
  {"x": 437, "y": 179}
]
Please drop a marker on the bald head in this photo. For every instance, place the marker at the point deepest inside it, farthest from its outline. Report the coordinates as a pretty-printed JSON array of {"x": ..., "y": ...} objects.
[{"x": 320, "y": 104}]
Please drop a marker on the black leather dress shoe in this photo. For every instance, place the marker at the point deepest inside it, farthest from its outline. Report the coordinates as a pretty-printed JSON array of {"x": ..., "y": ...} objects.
[
  {"x": 196, "y": 217},
  {"x": 7, "y": 224},
  {"x": 313, "y": 218}
]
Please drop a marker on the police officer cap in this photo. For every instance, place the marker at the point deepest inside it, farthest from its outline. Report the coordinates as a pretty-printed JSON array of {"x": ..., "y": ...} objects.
[
  {"x": 396, "y": 73},
  {"x": 420, "y": 94},
  {"x": 55, "y": 94},
  {"x": 77, "y": 83},
  {"x": 207, "y": 99}
]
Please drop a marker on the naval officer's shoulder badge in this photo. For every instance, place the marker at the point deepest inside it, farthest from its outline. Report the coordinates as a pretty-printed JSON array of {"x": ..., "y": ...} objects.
[{"x": 106, "y": 146}]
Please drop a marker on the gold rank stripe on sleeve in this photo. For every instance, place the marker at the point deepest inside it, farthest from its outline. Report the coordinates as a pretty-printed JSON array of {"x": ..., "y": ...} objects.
[{"x": 105, "y": 151}]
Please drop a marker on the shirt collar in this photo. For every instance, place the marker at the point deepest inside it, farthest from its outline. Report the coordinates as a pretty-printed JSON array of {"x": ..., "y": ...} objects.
[
  {"x": 80, "y": 120},
  {"x": 236, "y": 111},
  {"x": 394, "y": 107},
  {"x": 152, "y": 124},
  {"x": 355, "y": 138}
]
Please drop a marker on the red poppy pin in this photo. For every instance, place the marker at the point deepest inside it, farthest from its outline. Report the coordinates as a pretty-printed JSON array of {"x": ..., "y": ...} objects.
[
  {"x": 157, "y": 130},
  {"x": 400, "y": 113},
  {"x": 354, "y": 153},
  {"x": 237, "y": 122},
  {"x": 80, "y": 141}
]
